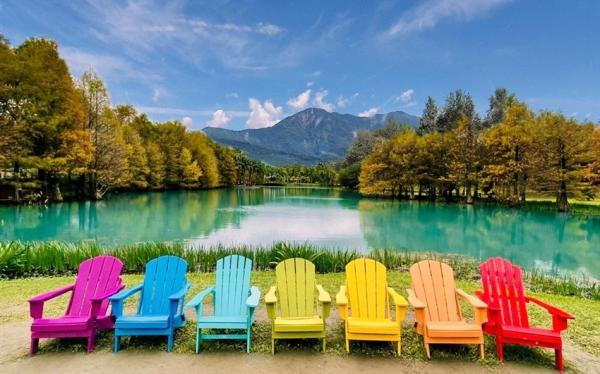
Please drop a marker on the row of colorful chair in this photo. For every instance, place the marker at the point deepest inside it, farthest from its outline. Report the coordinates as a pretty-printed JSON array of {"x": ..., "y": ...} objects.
[{"x": 298, "y": 307}]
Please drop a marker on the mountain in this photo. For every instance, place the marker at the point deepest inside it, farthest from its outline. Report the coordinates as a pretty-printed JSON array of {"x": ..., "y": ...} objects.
[{"x": 307, "y": 137}]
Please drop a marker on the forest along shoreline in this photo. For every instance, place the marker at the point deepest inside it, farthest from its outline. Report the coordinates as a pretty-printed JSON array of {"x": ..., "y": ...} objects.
[{"x": 62, "y": 139}]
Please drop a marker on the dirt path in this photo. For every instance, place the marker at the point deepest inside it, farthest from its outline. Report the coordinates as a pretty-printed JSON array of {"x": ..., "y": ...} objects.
[{"x": 14, "y": 342}]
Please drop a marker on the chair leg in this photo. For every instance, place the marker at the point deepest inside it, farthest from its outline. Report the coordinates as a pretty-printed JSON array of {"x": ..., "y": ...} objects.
[
  {"x": 170, "y": 342},
  {"x": 91, "y": 342},
  {"x": 427, "y": 350},
  {"x": 324, "y": 345},
  {"x": 399, "y": 348},
  {"x": 272, "y": 346},
  {"x": 34, "y": 346},
  {"x": 347, "y": 346},
  {"x": 500, "y": 350},
  {"x": 116, "y": 343},
  {"x": 249, "y": 341},
  {"x": 558, "y": 355},
  {"x": 481, "y": 351},
  {"x": 198, "y": 340}
]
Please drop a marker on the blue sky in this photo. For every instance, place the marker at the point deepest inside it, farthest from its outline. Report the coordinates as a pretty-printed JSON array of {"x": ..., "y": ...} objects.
[{"x": 248, "y": 64}]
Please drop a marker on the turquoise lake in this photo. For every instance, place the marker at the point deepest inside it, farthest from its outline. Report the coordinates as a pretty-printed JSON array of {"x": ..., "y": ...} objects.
[{"x": 546, "y": 241}]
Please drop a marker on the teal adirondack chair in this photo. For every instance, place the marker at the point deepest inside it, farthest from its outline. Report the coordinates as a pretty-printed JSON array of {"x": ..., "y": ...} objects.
[
  {"x": 233, "y": 302},
  {"x": 160, "y": 308}
]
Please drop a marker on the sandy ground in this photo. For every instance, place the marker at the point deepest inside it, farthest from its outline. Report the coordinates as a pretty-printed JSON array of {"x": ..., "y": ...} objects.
[{"x": 14, "y": 341}]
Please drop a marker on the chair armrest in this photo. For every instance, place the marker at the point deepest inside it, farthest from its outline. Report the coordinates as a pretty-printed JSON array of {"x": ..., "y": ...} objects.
[
  {"x": 399, "y": 302},
  {"x": 116, "y": 301},
  {"x": 254, "y": 298},
  {"x": 559, "y": 317},
  {"x": 341, "y": 299},
  {"x": 325, "y": 301},
  {"x": 550, "y": 308},
  {"x": 479, "y": 307},
  {"x": 99, "y": 299},
  {"x": 36, "y": 303},
  {"x": 419, "y": 308},
  {"x": 414, "y": 301},
  {"x": 271, "y": 301},
  {"x": 197, "y": 301},
  {"x": 176, "y": 300}
]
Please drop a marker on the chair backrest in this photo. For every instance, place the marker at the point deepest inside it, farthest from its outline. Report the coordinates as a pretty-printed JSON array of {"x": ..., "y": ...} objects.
[
  {"x": 164, "y": 276},
  {"x": 433, "y": 283},
  {"x": 366, "y": 286},
  {"x": 503, "y": 288},
  {"x": 95, "y": 277},
  {"x": 233, "y": 285},
  {"x": 296, "y": 287}
]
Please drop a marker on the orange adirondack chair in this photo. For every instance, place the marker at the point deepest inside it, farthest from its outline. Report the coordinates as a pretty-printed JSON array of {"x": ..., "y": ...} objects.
[
  {"x": 364, "y": 304},
  {"x": 438, "y": 317},
  {"x": 508, "y": 321}
]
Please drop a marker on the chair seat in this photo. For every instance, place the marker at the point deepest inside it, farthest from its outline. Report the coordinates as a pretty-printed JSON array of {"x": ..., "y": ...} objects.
[
  {"x": 458, "y": 329},
  {"x": 60, "y": 324},
  {"x": 142, "y": 322},
  {"x": 308, "y": 324},
  {"x": 224, "y": 321},
  {"x": 530, "y": 333},
  {"x": 381, "y": 326}
]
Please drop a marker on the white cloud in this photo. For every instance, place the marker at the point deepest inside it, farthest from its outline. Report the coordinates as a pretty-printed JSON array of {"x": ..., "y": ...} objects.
[
  {"x": 263, "y": 115},
  {"x": 233, "y": 95},
  {"x": 187, "y": 121},
  {"x": 268, "y": 29},
  {"x": 368, "y": 113},
  {"x": 219, "y": 119},
  {"x": 406, "y": 96},
  {"x": 428, "y": 14},
  {"x": 310, "y": 83},
  {"x": 301, "y": 101},
  {"x": 186, "y": 112},
  {"x": 342, "y": 101},
  {"x": 156, "y": 94},
  {"x": 319, "y": 101}
]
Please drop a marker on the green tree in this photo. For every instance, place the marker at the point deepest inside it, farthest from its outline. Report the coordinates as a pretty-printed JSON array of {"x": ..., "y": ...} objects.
[
  {"x": 156, "y": 165},
  {"x": 499, "y": 101},
  {"x": 428, "y": 121},
  {"x": 458, "y": 104}
]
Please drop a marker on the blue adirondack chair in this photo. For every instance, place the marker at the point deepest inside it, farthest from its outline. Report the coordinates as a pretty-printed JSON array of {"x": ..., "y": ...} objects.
[
  {"x": 160, "y": 307},
  {"x": 233, "y": 301}
]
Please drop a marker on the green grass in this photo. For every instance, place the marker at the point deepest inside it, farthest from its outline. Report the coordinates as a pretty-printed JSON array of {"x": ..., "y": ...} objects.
[
  {"x": 584, "y": 332},
  {"x": 30, "y": 259}
]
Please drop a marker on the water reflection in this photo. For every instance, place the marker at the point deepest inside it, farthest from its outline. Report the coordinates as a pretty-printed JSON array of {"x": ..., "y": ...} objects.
[{"x": 551, "y": 242}]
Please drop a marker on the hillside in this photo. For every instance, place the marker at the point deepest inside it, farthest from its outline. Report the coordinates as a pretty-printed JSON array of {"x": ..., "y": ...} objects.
[{"x": 307, "y": 137}]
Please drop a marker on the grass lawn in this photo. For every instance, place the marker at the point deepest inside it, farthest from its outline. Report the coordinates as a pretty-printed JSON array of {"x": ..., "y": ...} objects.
[{"x": 584, "y": 332}]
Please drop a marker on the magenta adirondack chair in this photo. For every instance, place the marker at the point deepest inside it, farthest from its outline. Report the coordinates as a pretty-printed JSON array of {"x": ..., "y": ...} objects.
[{"x": 97, "y": 279}]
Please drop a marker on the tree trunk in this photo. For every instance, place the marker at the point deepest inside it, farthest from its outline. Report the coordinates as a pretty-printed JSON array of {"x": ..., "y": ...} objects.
[
  {"x": 17, "y": 173},
  {"x": 562, "y": 203},
  {"x": 468, "y": 192}
]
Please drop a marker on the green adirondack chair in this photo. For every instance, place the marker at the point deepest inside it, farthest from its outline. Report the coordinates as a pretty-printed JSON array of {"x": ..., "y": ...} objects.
[
  {"x": 233, "y": 302},
  {"x": 291, "y": 303}
]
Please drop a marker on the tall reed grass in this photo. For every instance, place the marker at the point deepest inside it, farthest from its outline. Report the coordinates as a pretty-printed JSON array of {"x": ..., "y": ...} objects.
[{"x": 28, "y": 259}]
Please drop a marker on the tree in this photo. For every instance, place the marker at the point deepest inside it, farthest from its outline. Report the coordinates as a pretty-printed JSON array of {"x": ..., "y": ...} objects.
[
  {"x": 465, "y": 156},
  {"x": 429, "y": 117},
  {"x": 499, "y": 101},
  {"x": 156, "y": 165},
  {"x": 202, "y": 149},
  {"x": 190, "y": 171},
  {"x": 459, "y": 104},
  {"x": 512, "y": 154},
  {"x": 137, "y": 158},
  {"x": 111, "y": 164},
  {"x": 227, "y": 166},
  {"x": 566, "y": 151}
]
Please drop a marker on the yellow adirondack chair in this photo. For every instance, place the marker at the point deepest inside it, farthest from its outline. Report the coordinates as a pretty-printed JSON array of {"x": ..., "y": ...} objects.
[
  {"x": 364, "y": 304},
  {"x": 438, "y": 317},
  {"x": 291, "y": 303}
]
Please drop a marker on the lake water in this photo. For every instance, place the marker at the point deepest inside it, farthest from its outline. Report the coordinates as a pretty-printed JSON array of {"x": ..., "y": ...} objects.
[{"x": 547, "y": 241}]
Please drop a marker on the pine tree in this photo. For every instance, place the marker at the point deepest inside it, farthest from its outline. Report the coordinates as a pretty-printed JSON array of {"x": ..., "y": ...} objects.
[{"x": 429, "y": 118}]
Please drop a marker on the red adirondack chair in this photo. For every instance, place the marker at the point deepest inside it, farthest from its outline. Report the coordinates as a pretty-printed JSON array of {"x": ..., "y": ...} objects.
[
  {"x": 97, "y": 279},
  {"x": 504, "y": 294}
]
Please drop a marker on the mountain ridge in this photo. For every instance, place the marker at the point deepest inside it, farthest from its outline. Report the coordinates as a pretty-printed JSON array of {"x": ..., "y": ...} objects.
[{"x": 308, "y": 137}]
